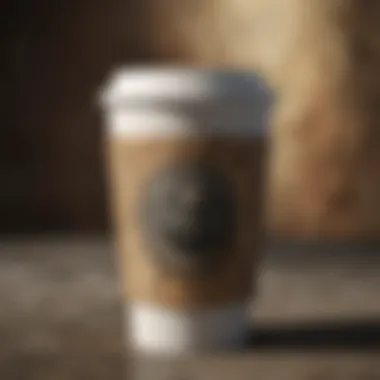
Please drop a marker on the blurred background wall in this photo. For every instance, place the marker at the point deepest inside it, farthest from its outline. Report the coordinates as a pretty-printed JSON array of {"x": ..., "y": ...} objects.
[
  {"x": 55, "y": 54},
  {"x": 320, "y": 56}
]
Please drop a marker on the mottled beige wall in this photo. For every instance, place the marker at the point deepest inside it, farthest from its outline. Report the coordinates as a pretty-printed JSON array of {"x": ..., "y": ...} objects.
[
  {"x": 320, "y": 55},
  {"x": 325, "y": 177}
]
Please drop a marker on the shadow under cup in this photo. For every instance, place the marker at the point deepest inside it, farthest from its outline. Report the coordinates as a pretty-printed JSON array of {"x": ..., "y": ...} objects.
[{"x": 187, "y": 157}]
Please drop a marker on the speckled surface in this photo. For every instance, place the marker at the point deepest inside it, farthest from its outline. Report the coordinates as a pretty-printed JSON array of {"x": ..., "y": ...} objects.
[{"x": 60, "y": 316}]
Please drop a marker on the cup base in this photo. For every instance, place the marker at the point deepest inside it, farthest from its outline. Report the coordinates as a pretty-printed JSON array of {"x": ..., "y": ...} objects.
[{"x": 161, "y": 331}]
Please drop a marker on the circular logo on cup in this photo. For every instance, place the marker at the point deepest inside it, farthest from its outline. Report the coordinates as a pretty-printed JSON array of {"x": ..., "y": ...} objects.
[{"x": 189, "y": 218}]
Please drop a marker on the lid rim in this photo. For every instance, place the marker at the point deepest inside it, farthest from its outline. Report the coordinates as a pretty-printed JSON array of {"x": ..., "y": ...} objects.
[{"x": 189, "y": 85}]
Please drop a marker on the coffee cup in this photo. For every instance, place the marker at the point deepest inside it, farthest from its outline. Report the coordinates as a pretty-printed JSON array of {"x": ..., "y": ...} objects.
[{"x": 186, "y": 150}]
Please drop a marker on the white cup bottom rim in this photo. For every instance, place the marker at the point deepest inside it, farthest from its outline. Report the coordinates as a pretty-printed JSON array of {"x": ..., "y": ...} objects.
[{"x": 152, "y": 329}]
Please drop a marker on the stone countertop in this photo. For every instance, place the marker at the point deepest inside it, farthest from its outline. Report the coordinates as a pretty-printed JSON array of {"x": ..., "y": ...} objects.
[{"x": 316, "y": 316}]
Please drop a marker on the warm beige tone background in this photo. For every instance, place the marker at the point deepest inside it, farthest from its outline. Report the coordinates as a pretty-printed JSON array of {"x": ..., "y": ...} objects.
[
  {"x": 325, "y": 172},
  {"x": 320, "y": 55}
]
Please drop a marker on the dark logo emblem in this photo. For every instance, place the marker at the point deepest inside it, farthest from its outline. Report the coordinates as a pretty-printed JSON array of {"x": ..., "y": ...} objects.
[{"x": 189, "y": 217}]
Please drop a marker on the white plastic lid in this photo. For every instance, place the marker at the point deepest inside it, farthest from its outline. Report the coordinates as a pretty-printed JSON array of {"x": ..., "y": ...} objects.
[{"x": 183, "y": 86}]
